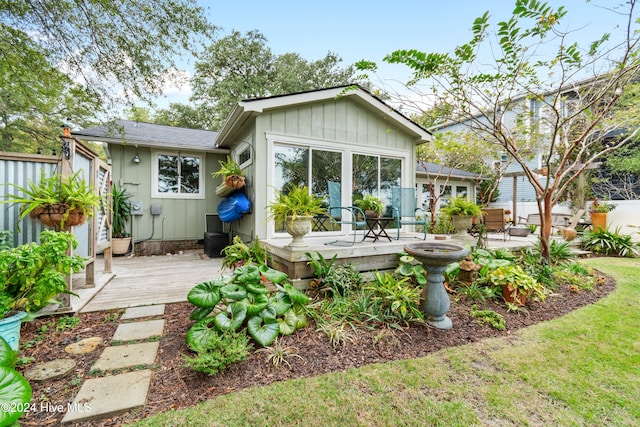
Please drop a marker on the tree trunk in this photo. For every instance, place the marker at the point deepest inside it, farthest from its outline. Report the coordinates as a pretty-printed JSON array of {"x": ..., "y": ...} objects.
[{"x": 544, "y": 208}]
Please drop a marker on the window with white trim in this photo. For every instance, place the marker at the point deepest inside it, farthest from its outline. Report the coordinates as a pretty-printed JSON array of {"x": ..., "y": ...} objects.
[{"x": 177, "y": 175}]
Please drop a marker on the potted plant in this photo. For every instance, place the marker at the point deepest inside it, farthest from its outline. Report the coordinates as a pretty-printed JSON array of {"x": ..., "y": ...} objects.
[
  {"x": 57, "y": 201},
  {"x": 121, "y": 208},
  {"x": 232, "y": 177},
  {"x": 598, "y": 211},
  {"x": 295, "y": 209},
  {"x": 31, "y": 276},
  {"x": 462, "y": 211},
  {"x": 516, "y": 284},
  {"x": 371, "y": 205}
]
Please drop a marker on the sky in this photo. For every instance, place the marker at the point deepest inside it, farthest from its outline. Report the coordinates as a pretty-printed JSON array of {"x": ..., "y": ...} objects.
[{"x": 356, "y": 29}]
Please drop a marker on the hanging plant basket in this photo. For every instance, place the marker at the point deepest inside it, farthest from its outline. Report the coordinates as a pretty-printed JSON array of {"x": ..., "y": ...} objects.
[
  {"x": 230, "y": 184},
  {"x": 59, "y": 216},
  {"x": 234, "y": 181}
]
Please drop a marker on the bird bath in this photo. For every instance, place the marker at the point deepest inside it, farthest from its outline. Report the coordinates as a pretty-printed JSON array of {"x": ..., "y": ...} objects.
[{"x": 435, "y": 257}]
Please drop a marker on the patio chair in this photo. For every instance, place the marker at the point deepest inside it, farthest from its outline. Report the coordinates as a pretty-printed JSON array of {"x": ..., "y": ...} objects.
[
  {"x": 406, "y": 211},
  {"x": 493, "y": 220},
  {"x": 344, "y": 215}
]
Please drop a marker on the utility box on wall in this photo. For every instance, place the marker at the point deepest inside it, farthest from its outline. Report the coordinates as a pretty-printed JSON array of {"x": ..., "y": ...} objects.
[{"x": 137, "y": 208}]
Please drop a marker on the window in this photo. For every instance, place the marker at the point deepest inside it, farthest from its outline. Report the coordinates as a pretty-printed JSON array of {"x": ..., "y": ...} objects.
[
  {"x": 376, "y": 175},
  {"x": 244, "y": 156},
  {"x": 296, "y": 165},
  {"x": 462, "y": 191},
  {"x": 177, "y": 175}
]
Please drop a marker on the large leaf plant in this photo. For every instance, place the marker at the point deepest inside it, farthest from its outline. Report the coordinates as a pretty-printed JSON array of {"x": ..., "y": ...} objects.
[
  {"x": 15, "y": 391},
  {"x": 231, "y": 303}
]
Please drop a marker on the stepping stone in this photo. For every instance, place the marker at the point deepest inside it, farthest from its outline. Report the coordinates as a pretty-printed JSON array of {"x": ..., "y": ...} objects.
[
  {"x": 145, "y": 311},
  {"x": 84, "y": 346},
  {"x": 138, "y": 330},
  {"x": 124, "y": 356},
  {"x": 50, "y": 370},
  {"x": 108, "y": 396}
]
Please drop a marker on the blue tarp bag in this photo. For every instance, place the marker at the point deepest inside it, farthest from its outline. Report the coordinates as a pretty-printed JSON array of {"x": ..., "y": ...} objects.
[{"x": 233, "y": 207}]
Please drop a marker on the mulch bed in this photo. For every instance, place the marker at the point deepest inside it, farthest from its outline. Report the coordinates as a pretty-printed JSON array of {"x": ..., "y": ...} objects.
[{"x": 175, "y": 386}]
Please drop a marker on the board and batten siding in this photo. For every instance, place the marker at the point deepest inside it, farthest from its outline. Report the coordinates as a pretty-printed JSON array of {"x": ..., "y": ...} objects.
[
  {"x": 338, "y": 120},
  {"x": 20, "y": 172},
  {"x": 180, "y": 218}
]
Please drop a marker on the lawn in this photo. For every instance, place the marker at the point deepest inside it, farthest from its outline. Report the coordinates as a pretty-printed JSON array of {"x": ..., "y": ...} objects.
[{"x": 581, "y": 369}]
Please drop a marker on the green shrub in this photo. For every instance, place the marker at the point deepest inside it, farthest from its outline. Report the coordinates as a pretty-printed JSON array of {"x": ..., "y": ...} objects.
[
  {"x": 443, "y": 225},
  {"x": 239, "y": 253},
  {"x": 576, "y": 282},
  {"x": 343, "y": 279},
  {"x": 220, "y": 351},
  {"x": 411, "y": 269},
  {"x": 395, "y": 299},
  {"x": 242, "y": 301},
  {"x": 476, "y": 292},
  {"x": 495, "y": 320},
  {"x": 32, "y": 275},
  {"x": 609, "y": 243}
]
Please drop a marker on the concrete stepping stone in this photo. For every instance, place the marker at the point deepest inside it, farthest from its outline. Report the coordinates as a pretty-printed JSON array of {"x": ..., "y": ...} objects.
[
  {"x": 145, "y": 311},
  {"x": 125, "y": 356},
  {"x": 84, "y": 346},
  {"x": 108, "y": 396},
  {"x": 138, "y": 330},
  {"x": 50, "y": 370}
]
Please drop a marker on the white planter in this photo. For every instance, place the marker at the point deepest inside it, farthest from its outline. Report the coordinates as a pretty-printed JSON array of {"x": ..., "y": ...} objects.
[
  {"x": 297, "y": 227},
  {"x": 462, "y": 223}
]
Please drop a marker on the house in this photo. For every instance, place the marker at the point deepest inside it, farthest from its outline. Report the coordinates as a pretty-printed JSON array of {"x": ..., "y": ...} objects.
[
  {"x": 342, "y": 134},
  {"x": 167, "y": 170},
  {"x": 451, "y": 182}
]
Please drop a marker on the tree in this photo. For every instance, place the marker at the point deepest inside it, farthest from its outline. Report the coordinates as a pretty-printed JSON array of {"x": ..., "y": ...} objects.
[
  {"x": 35, "y": 98},
  {"x": 453, "y": 151},
  {"x": 490, "y": 82},
  {"x": 239, "y": 67},
  {"x": 180, "y": 115},
  {"x": 76, "y": 59}
]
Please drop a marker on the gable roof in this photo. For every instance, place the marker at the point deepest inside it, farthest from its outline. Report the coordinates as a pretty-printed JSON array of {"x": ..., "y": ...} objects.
[
  {"x": 248, "y": 108},
  {"x": 426, "y": 168},
  {"x": 151, "y": 135}
]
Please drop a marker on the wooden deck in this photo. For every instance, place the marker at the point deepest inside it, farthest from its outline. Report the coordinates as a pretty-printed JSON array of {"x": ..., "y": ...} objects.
[
  {"x": 165, "y": 279},
  {"x": 153, "y": 280}
]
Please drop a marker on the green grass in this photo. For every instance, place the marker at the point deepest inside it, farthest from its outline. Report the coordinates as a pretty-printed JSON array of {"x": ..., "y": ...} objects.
[{"x": 580, "y": 370}]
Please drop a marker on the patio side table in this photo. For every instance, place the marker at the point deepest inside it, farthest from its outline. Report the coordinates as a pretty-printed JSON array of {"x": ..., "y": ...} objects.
[{"x": 377, "y": 227}]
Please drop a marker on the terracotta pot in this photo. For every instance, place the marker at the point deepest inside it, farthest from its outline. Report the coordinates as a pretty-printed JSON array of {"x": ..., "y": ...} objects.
[
  {"x": 569, "y": 234},
  {"x": 234, "y": 181},
  {"x": 599, "y": 221},
  {"x": 371, "y": 214},
  {"x": 514, "y": 296}
]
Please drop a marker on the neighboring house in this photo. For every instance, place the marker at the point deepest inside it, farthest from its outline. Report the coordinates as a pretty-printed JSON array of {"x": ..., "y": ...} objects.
[
  {"x": 342, "y": 134},
  {"x": 167, "y": 170},
  {"x": 450, "y": 182},
  {"x": 515, "y": 189}
]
